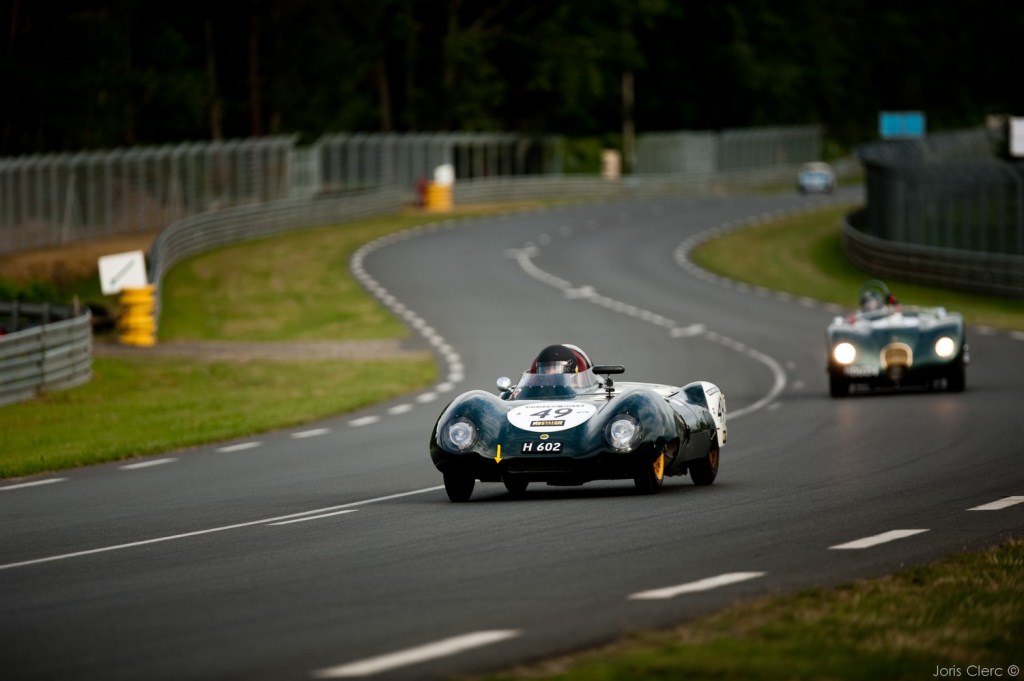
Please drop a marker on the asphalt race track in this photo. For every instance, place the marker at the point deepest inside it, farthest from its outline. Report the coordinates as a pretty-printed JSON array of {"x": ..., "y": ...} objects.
[{"x": 331, "y": 551}]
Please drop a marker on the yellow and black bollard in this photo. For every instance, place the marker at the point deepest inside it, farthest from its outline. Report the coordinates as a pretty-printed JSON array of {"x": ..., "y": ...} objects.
[{"x": 137, "y": 323}]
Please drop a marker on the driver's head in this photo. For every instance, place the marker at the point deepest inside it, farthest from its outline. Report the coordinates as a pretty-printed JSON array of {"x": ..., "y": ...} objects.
[
  {"x": 870, "y": 301},
  {"x": 560, "y": 359}
]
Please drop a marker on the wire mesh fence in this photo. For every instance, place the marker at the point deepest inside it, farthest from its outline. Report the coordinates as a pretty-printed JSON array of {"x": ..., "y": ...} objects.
[
  {"x": 707, "y": 152},
  {"x": 945, "y": 191},
  {"x": 66, "y": 198}
]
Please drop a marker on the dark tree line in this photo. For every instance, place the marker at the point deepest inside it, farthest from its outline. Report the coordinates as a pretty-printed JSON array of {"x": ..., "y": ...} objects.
[{"x": 88, "y": 74}]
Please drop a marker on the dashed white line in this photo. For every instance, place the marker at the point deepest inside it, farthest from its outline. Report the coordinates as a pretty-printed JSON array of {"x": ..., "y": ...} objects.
[
  {"x": 34, "y": 483},
  {"x": 315, "y": 432},
  {"x": 693, "y": 587},
  {"x": 364, "y": 421},
  {"x": 410, "y": 656},
  {"x": 147, "y": 464},
  {"x": 999, "y": 505},
  {"x": 400, "y": 409},
  {"x": 241, "y": 447},
  {"x": 524, "y": 258},
  {"x": 875, "y": 540}
]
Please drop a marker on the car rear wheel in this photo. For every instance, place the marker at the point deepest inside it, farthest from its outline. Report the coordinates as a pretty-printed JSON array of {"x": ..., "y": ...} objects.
[
  {"x": 459, "y": 486},
  {"x": 515, "y": 485},
  {"x": 649, "y": 478},
  {"x": 704, "y": 471}
]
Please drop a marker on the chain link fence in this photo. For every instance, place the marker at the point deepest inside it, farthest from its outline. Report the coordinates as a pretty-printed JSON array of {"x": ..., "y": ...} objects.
[
  {"x": 949, "y": 196},
  {"x": 67, "y": 198},
  {"x": 707, "y": 152}
]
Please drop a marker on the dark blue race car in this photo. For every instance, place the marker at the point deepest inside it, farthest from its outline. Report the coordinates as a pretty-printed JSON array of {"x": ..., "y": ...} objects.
[{"x": 562, "y": 424}]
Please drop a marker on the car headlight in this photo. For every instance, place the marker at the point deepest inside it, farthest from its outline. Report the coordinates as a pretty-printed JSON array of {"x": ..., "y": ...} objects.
[
  {"x": 461, "y": 433},
  {"x": 945, "y": 347},
  {"x": 622, "y": 433},
  {"x": 844, "y": 353}
]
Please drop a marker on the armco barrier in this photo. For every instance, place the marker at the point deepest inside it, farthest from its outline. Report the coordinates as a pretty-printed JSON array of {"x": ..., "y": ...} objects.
[
  {"x": 198, "y": 234},
  {"x": 39, "y": 355},
  {"x": 972, "y": 271}
]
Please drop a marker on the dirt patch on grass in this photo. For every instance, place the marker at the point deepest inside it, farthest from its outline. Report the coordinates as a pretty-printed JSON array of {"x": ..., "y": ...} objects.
[{"x": 71, "y": 262}]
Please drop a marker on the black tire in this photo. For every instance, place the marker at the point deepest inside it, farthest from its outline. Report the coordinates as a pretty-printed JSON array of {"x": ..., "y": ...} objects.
[
  {"x": 838, "y": 386},
  {"x": 956, "y": 379},
  {"x": 515, "y": 485},
  {"x": 459, "y": 486},
  {"x": 704, "y": 471},
  {"x": 649, "y": 478}
]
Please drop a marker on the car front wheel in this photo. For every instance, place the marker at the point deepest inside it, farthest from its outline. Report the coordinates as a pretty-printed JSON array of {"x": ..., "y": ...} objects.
[
  {"x": 838, "y": 386},
  {"x": 649, "y": 478},
  {"x": 516, "y": 486},
  {"x": 459, "y": 486}
]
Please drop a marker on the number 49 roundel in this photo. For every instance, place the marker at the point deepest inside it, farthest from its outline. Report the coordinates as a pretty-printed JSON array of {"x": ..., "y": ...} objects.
[{"x": 547, "y": 417}]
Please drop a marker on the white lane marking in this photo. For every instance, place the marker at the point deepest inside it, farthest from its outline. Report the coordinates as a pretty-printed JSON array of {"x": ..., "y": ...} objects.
[
  {"x": 778, "y": 384},
  {"x": 34, "y": 483},
  {"x": 1017, "y": 335},
  {"x": 400, "y": 409},
  {"x": 364, "y": 421},
  {"x": 693, "y": 587},
  {"x": 316, "y": 432},
  {"x": 999, "y": 505},
  {"x": 185, "y": 535},
  {"x": 410, "y": 656},
  {"x": 147, "y": 464},
  {"x": 455, "y": 374},
  {"x": 239, "y": 447},
  {"x": 426, "y": 397},
  {"x": 524, "y": 258},
  {"x": 314, "y": 517},
  {"x": 875, "y": 540}
]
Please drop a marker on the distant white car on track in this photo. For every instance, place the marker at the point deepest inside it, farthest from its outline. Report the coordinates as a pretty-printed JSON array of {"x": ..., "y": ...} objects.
[{"x": 816, "y": 178}]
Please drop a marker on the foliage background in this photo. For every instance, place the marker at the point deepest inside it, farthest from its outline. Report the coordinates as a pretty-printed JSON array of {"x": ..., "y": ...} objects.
[{"x": 88, "y": 74}]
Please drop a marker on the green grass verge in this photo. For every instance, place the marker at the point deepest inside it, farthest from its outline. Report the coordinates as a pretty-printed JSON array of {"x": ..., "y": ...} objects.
[
  {"x": 139, "y": 406},
  {"x": 293, "y": 287},
  {"x": 963, "y": 611},
  {"x": 803, "y": 255}
]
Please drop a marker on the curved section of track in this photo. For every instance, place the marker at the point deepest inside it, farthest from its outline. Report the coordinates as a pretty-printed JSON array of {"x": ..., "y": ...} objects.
[{"x": 331, "y": 551}]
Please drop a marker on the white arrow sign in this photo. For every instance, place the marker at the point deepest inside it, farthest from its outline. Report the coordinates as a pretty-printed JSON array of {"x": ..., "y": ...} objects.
[{"x": 121, "y": 271}]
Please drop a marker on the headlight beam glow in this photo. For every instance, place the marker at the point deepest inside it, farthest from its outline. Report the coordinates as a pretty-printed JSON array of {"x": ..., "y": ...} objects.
[{"x": 844, "y": 353}]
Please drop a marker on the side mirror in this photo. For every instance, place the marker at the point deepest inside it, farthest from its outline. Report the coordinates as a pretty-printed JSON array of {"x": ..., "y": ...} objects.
[{"x": 504, "y": 384}]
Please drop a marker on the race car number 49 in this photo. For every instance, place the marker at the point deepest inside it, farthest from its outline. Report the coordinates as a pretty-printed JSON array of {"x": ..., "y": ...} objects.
[{"x": 547, "y": 417}]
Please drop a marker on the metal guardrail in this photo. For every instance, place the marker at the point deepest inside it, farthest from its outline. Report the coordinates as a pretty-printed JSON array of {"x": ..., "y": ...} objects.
[
  {"x": 200, "y": 233},
  {"x": 994, "y": 274},
  {"x": 40, "y": 355}
]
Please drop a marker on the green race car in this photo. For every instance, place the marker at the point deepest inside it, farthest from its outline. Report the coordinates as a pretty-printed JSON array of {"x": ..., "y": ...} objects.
[
  {"x": 888, "y": 345},
  {"x": 563, "y": 425}
]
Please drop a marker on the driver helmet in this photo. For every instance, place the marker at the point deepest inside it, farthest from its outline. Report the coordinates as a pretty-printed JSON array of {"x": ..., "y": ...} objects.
[
  {"x": 870, "y": 301},
  {"x": 560, "y": 359}
]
